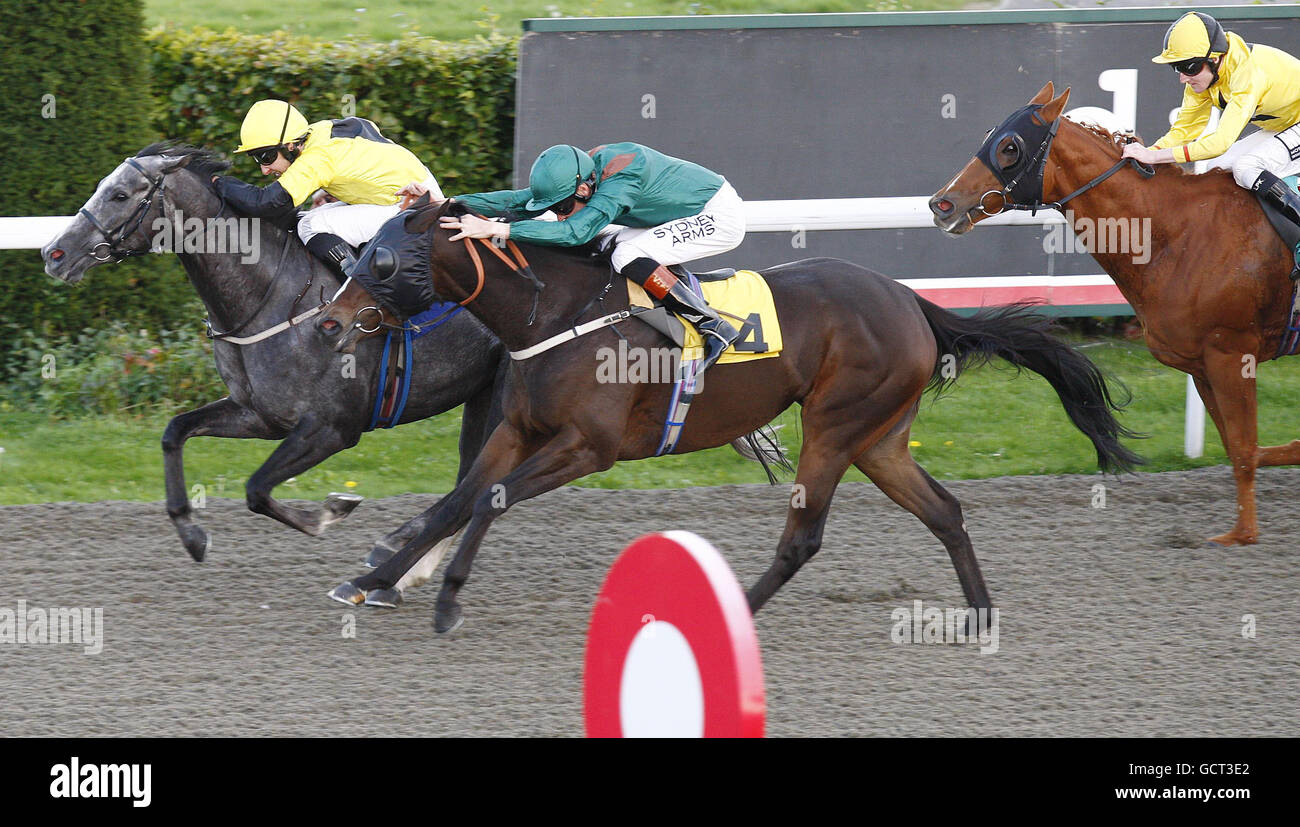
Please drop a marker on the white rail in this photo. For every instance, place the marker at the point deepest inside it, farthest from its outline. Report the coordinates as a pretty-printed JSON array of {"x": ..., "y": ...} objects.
[
  {"x": 903, "y": 213},
  {"x": 910, "y": 212}
]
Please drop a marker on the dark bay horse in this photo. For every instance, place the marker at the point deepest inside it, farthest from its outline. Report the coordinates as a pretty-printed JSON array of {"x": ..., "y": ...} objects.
[
  {"x": 1214, "y": 296},
  {"x": 859, "y": 350},
  {"x": 287, "y": 386}
]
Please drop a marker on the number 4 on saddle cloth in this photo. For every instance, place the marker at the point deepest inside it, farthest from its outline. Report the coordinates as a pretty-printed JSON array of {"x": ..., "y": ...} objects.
[
  {"x": 1290, "y": 233},
  {"x": 745, "y": 299}
]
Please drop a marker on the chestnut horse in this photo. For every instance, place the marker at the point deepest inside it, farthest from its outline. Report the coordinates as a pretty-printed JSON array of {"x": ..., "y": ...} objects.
[
  {"x": 1213, "y": 298},
  {"x": 859, "y": 350}
]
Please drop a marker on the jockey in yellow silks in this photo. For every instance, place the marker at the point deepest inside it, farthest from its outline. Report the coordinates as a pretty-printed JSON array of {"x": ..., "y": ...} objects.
[
  {"x": 1250, "y": 84},
  {"x": 348, "y": 158}
]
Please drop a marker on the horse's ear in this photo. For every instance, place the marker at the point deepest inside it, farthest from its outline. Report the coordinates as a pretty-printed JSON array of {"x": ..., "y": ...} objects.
[
  {"x": 1044, "y": 95},
  {"x": 171, "y": 163},
  {"x": 1053, "y": 108},
  {"x": 426, "y": 212}
]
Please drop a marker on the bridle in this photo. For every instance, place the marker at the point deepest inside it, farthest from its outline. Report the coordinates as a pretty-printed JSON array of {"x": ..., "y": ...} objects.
[
  {"x": 1022, "y": 182},
  {"x": 114, "y": 238}
]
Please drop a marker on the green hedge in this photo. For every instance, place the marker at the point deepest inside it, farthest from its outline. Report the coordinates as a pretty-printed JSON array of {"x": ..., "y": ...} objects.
[
  {"x": 76, "y": 102},
  {"x": 452, "y": 104},
  {"x": 118, "y": 88}
]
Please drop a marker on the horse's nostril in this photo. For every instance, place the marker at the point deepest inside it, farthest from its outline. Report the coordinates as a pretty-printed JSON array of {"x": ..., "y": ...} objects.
[
  {"x": 943, "y": 205},
  {"x": 55, "y": 255},
  {"x": 328, "y": 326}
]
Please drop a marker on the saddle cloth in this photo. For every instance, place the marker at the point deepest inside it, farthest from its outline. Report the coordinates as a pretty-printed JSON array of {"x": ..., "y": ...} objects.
[{"x": 745, "y": 300}]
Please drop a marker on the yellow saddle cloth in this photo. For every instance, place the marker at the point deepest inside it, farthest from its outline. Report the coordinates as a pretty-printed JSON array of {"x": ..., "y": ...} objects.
[{"x": 746, "y": 301}]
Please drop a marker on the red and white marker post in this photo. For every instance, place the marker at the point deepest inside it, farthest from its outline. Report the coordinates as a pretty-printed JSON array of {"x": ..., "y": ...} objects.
[{"x": 671, "y": 650}]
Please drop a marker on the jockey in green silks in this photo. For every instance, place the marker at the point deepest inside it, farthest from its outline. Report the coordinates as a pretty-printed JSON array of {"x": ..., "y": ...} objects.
[{"x": 650, "y": 210}]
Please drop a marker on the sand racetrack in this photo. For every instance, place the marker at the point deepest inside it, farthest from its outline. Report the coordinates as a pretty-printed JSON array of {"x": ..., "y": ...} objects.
[{"x": 1114, "y": 621}]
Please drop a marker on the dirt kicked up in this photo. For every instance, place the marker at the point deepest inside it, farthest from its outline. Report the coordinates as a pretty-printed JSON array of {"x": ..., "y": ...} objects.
[{"x": 1114, "y": 620}]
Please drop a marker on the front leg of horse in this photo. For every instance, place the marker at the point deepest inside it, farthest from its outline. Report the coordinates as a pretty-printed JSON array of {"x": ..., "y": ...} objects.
[
  {"x": 503, "y": 451},
  {"x": 480, "y": 416},
  {"x": 568, "y": 456},
  {"x": 306, "y": 446},
  {"x": 222, "y": 418},
  {"x": 1235, "y": 396}
]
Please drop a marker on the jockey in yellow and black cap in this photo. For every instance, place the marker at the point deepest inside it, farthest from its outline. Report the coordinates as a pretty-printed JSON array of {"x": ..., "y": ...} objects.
[
  {"x": 1250, "y": 84},
  {"x": 348, "y": 158}
]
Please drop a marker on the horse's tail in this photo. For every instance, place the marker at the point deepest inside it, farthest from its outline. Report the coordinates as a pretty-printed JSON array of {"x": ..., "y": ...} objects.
[{"x": 1025, "y": 339}]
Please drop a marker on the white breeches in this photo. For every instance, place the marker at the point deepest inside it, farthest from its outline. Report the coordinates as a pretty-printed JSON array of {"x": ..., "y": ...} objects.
[
  {"x": 354, "y": 223},
  {"x": 718, "y": 228},
  {"x": 1276, "y": 152}
]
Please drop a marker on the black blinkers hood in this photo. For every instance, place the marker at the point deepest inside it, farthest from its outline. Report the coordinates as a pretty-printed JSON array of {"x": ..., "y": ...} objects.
[
  {"x": 395, "y": 267},
  {"x": 1022, "y": 182}
]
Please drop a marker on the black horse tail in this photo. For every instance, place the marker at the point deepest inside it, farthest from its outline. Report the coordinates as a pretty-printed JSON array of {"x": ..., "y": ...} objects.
[{"x": 1025, "y": 339}]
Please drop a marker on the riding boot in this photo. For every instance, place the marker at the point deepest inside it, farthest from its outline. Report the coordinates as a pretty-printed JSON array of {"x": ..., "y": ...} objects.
[
  {"x": 718, "y": 333},
  {"x": 1277, "y": 193},
  {"x": 334, "y": 251}
]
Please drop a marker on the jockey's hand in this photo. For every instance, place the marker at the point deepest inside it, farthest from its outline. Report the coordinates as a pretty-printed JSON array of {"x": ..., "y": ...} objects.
[
  {"x": 1144, "y": 155},
  {"x": 411, "y": 193},
  {"x": 471, "y": 226}
]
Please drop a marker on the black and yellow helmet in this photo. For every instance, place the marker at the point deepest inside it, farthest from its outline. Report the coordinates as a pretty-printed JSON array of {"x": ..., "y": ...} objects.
[
  {"x": 1194, "y": 35},
  {"x": 271, "y": 123}
]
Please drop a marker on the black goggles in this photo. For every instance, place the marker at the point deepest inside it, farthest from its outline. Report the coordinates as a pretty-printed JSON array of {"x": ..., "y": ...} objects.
[
  {"x": 566, "y": 206},
  {"x": 1190, "y": 67},
  {"x": 265, "y": 156}
]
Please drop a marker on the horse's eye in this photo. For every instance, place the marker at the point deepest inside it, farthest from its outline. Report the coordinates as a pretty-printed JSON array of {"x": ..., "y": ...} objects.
[
  {"x": 385, "y": 263},
  {"x": 119, "y": 196}
]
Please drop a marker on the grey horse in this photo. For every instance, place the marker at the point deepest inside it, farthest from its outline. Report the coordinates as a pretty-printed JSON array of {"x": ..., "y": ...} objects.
[
  {"x": 260, "y": 285},
  {"x": 289, "y": 385}
]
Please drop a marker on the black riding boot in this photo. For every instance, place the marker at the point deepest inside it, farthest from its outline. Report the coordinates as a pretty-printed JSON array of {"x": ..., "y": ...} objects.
[
  {"x": 1277, "y": 193},
  {"x": 677, "y": 297},
  {"x": 718, "y": 333},
  {"x": 334, "y": 251}
]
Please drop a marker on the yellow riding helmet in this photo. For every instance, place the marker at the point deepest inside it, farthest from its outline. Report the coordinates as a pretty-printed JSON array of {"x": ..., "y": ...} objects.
[
  {"x": 271, "y": 123},
  {"x": 1193, "y": 35}
]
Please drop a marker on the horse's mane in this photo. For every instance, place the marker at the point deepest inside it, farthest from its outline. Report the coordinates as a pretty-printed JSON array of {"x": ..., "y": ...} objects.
[
  {"x": 204, "y": 163},
  {"x": 1116, "y": 141}
]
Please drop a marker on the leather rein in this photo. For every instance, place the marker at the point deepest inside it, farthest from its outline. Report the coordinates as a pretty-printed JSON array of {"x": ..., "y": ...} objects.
[{"x": 1038, "y": 165}]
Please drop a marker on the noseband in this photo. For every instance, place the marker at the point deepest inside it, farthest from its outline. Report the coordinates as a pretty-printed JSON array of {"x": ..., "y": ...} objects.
[
  {"x": 114, "y": 238},
  {"x": 1022, "y": 182}
]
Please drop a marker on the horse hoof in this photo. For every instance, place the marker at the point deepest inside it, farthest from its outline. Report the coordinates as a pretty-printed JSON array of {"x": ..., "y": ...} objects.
[
  {"x": 446, "y": 621},
  {"x": 378, "y": 556},
  {"x": 197, "y": 542},
  {"x": 384, "y": 598},
  {"x": 339, "y": 505},
  {"x": 1229, "y": 539},
  {"x": 347, "y": 593}
]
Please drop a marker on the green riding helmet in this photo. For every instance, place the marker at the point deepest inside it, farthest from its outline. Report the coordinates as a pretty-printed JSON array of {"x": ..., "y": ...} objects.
[{"x": 556, "y": 174}]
